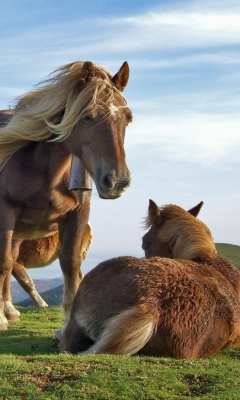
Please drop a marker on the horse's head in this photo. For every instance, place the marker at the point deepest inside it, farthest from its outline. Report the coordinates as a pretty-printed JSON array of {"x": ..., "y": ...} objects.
[
  {"x": 176, "y": 233},
  {"x": 82, "y": 105},
  {"x": 98, "y": 138}
]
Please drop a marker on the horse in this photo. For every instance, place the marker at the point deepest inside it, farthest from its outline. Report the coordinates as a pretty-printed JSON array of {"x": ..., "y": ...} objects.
[
  {"x": 182, "y": 301},
  {"x": 78, "y": 112},
  {"x": 38, "y": 253}
]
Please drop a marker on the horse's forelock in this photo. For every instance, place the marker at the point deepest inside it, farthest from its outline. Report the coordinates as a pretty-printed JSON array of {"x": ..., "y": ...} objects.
[{"x": 96, "y": 94}]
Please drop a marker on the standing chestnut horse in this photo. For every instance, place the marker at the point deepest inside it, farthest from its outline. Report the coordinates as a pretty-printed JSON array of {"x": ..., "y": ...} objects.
[
  {"x": 80, "y": 112},
  {"x": 183, "y": 304}
]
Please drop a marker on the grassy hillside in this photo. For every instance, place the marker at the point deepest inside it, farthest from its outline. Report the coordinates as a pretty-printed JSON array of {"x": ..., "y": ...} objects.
[
  {"x": 42, "y": 285},
  {"x": 31, "y": 368},
  {"x": 230, "y": 252},
  {"x": 53, "y": 297}
]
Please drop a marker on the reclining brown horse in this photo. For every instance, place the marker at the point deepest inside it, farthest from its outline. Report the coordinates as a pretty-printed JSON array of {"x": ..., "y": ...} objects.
[
  {"x": 184, "y": 303},
  {"x": 78, "y": 113},
  {"x": 38, "y": 253}
]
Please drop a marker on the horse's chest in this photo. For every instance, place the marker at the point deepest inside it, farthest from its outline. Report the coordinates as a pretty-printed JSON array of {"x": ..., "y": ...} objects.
[
  {"x": 40, "y": 216},
  {"x": 47, "y": 205}
]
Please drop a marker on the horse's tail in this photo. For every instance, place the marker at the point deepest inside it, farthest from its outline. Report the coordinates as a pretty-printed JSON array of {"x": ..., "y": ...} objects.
[{"x": 127, "y": 332}]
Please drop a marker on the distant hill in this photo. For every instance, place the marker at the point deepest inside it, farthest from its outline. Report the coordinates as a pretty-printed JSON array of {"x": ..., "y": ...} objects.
[
  {"x": 42, "y": 285},
  {"x": 53, "y": 296},
  {"x": 229, "y": 252}
]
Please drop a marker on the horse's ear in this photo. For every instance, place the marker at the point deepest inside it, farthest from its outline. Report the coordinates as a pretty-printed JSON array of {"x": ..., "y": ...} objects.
[
  {"x": 153, "y": 209},
  {"x": 195, "y": 210},
  {"x": 87, "y": 73},
  {"x": 120, "y": 79}
]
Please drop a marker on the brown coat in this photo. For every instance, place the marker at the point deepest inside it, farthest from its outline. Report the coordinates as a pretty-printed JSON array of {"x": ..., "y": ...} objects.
[{"x": 159, "y": 306}]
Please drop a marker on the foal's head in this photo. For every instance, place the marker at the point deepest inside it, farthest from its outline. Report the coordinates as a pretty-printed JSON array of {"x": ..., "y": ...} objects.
[{"x": 176, "y": 233}]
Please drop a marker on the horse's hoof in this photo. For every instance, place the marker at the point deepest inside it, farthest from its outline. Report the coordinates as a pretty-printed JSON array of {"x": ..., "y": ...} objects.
[
  {"x": 37, "y": 299},
  {"x": 41, "y": 304},
  {"x": 12, "y": 317},
  {"x": 3, "y": 323},
  {"x": 10, "y": 312}
]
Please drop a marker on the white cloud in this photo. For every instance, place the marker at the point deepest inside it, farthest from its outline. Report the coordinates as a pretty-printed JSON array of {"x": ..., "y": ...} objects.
[
  {"x": 199, "y": 138},
  {"x": 188, "y": 28},
  {"x": 174, "y": 60},
  {"x": 191, "y": 27}
]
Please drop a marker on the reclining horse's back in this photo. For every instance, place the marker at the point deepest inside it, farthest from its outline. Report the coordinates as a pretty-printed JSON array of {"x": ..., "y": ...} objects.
[{"x": 159, "y": 306}]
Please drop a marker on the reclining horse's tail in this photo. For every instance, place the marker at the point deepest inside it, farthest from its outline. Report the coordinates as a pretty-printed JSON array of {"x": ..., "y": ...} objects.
[{"x": 126, "y": 333}]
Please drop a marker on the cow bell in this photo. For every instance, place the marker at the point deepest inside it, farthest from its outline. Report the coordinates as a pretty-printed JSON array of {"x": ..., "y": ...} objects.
[{"x": 80, "y": 179}]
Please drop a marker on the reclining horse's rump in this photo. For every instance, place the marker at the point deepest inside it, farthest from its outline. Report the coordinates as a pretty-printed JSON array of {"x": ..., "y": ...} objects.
[{"x": 106, "y": 310}]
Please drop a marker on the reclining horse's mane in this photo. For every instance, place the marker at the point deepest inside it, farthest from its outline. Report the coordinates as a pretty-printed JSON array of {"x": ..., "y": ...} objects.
[
  {"x": 188, "y": 237},
  {"x": 56, "y": 107}
]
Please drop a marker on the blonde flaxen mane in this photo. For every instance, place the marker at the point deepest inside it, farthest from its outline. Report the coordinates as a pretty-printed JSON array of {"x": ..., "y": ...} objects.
[
  {"x": 187, "y": 237},
  {"x": 55, "y": 108}
]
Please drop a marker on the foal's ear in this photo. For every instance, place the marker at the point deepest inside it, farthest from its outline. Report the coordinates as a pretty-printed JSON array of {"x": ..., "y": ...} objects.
[
  {"x": 120, "y": 79},
  {"x": 195, "y": 210},
  {"x": 87, "y": 73},
  {"x": 153, "y": 209}
]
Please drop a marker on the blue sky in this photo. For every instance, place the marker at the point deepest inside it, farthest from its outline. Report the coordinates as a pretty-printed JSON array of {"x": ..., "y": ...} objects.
[{"x": 183, "y": 145}]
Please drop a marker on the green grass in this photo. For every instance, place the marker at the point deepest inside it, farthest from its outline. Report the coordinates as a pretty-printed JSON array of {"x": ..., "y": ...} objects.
[
  {"x": 230, "y": 252},
  {"x": 31, "y": 368}
]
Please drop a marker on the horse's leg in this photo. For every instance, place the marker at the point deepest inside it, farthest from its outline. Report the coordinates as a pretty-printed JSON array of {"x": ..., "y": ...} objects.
[
  {"x": 33, "y": 254},
  {"x": 6, "y": 259},
  {"x": 70, "y": 253},
  {"x": 71, "y": 235},
  {"x": 24, "y": 280},
  {"x": 73, "y": 339},
  {"x": 10, "y": 311}
]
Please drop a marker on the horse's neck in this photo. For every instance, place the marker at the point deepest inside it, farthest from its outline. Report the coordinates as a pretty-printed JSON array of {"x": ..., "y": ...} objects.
[
  {"x": 55, "y": 155},
  {"x": 52, "y": 158},
  {"x": 53, "y": 152},
  {"x": 50, "y": 161}
]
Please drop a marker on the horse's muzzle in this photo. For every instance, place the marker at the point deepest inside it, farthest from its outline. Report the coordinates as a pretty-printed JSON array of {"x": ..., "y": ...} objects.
[{"x": 111, "y": 188}]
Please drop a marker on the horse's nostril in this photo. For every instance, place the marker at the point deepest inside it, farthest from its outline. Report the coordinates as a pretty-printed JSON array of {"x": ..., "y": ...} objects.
[{"x": 108, "y": 181}]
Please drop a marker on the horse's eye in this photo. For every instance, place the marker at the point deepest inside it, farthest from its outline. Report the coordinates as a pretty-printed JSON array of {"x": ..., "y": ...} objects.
[{"x": 87, "y": 118}]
